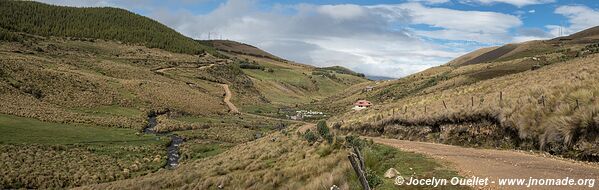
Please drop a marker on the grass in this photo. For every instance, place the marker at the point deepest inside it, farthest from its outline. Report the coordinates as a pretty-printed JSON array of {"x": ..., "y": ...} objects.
[
  {"x": 19, "y": 130},
  {"x": 379, "y": 158},
  {"x": 287, "y": 162},
  {"x": 113, "y": 110},
  {"x": 45, "y": 155},
  {"x": 538, "y": 109},
  {"x": 198, "y": 149}
]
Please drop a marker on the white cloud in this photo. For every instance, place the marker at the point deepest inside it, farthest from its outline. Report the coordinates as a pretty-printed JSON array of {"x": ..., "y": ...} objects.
[
  {"x": 431, "y": 2},
  {"x": 579, "y": 18},
  {"x": 477, "y": 26},
  {"x": 346, "y": 11},
  {"x": 518, "y": 3},
  {"x": 532, "y": 11}
]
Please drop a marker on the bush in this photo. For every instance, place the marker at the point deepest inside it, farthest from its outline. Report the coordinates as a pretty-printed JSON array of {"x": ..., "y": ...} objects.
[
  {"x": 354, "y": 141},
  {"x": 324, "y": 132},
  {"x": 322, "y": 128},
  {"x": 245, "y": 65},
  {"x": 310, "y": 136},
  {"x": 373, "y": 179}
]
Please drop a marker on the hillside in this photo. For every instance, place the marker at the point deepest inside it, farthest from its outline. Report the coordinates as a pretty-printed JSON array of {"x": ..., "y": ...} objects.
[
  {"x": 284, "y": 84},
  {"x": 94, "y": 23},
  {"x": 240, "y": 48},
  {"x": 538, "y": 95},
  {"x": 96, "y": 95}
]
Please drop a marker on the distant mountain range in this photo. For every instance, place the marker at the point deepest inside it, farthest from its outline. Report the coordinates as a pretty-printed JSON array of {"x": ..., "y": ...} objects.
[{"x": 377, "y": 78}]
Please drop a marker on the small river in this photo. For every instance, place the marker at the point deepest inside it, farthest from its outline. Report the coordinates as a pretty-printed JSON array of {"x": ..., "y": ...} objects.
[{"x": 172, "y": 151}]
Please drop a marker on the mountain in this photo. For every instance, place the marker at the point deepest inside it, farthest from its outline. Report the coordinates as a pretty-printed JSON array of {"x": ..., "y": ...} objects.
[
  {"x": 229, "y": 46},
  {"x": 537, "y": 95},
  {"x": 94, "y": 23},
  {"x": 378, "y": 78}
]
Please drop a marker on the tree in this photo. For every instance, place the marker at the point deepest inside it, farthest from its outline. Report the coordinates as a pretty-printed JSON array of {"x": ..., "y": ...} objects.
[{"x": 323, "y": 131}]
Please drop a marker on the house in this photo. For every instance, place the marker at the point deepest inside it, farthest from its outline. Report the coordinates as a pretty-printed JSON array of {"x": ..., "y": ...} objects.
[
  {"x": 361, "y": 104},
  {"x": 368, "y": 88}
]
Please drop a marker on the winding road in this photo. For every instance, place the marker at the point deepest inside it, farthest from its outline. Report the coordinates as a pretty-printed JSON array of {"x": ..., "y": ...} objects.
[
  {"x": 227, "y": 99},
  {"x": 497, "y": 164}
]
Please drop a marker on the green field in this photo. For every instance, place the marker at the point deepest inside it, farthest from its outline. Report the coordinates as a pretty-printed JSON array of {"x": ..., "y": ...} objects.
[
  {"x": 19, "y": 130},
  {"x": 69, "y": 155}
]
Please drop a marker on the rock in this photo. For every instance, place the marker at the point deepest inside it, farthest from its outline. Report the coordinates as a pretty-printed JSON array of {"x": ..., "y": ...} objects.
[
  {"x": 391, "y": 173},
  {"x": 334, "y": 187}
]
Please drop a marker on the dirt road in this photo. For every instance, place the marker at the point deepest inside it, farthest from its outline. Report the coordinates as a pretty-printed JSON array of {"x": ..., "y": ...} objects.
[
  {"x": 305, "y": 127},
  {"x": 497, "y": 164},
  {"x": 227, "y": 99}
]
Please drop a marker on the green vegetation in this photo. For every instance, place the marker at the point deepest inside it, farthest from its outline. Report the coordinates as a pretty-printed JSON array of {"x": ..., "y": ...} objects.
[
  {"x": 340, "y": 70},
  {"x": 310, "y": 136},
  {"x": 379, "y": 158},
  {"x": 246, "y": 65},
  {"x": 323, "y": 131},
  {"x": 100, "y": 23},
  {"x": 17, "y": 130},
  {"x": 63, "y": 155},
  {"x": 198, "y": 149},
  {"x": 6, "y": 35}
]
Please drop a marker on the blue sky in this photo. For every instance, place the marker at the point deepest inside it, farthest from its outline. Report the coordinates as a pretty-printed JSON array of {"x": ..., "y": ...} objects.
[{"x": 376, "y": 37}]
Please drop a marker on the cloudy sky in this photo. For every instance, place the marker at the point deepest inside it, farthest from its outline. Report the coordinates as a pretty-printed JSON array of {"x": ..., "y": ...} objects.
[{"x": 376, "y": 37}]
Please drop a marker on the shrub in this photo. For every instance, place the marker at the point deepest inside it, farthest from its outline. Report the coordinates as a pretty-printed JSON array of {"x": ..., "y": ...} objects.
[
  {"x": 373, "y": 179},
  {"x": 322, "y": 128},
  {"x": 354, "y": 141},
  {"x": 310, "y": 136},
  {"x": 324, "y": 132},
  {"x": 246, "y": 65}
]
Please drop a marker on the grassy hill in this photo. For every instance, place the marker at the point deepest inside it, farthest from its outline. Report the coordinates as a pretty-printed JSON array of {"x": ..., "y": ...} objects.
[
  {"x": 282, "y": 83},
  {"x": 538, "y": 95},
  {"x": 94, "y": 23}
]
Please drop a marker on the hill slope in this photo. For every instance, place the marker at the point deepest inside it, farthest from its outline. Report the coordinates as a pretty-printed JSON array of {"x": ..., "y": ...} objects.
[
  {"x": 97, "y": 23},
  {"x": 538, "y": 95}
]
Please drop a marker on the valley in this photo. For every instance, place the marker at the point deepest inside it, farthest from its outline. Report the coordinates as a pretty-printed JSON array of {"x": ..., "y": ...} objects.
[{"x": 129, "y": 103}]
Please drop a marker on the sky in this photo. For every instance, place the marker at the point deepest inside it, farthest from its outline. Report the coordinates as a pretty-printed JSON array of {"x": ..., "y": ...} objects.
[{"x": 376, "y": 37}]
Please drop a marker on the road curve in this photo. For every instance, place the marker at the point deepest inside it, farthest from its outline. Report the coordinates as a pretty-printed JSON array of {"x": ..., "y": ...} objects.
[
  {"x": 227, "y": 99},
  {"x": 497, "y": 164}
]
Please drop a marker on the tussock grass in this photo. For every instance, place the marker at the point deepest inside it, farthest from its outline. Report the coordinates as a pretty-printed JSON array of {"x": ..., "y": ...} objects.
[
  {"x": 288, "y": 162},
  {"x": 37, "y": 154},
  {"x": 538, "y": 106}
]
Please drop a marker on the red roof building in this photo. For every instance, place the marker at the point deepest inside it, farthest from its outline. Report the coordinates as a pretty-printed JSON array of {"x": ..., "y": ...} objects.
[{"x": 363, "y": 103}]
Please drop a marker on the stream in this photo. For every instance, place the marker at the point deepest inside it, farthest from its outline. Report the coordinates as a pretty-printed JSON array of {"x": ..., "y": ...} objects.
[{"x": 172, "y": 151}]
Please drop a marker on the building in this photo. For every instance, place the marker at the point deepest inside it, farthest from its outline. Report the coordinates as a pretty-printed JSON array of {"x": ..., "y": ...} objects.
[
  {"x": 361, "y": 104},
  {"x": 368, "y": 88}
]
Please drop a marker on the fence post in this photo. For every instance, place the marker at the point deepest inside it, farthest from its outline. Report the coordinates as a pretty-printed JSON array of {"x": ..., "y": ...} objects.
[
  {"x": 543, "y": 100},
  {"x": 444, "y": 105},
  {"x": 424, "y": 109},
  {"x": 357, "y": 162},
  {"x": 472, "y": 101},
  {"x": 577, "y": 105}
]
